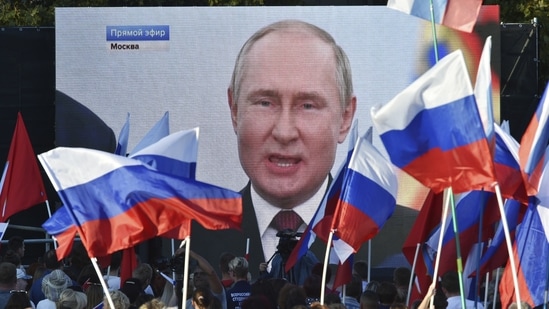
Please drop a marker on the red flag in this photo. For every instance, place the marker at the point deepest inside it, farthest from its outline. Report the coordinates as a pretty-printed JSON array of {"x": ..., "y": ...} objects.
[
  {"x": 426, "y": 222},
  {"x": 129, "y": 263},
  {"x": 21, "y": 186}
]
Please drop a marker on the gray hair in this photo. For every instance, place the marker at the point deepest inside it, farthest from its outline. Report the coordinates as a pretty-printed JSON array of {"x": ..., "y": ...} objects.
[{"x": 343, "y": 67}]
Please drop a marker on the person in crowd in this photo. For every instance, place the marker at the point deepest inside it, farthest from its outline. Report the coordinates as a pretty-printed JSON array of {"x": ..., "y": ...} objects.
[
  {"x": 224, "y": 260},
  {"x": 291, "y": 295},
  {"x": 144, "y": 273},
  {"x": 450, "y": 287},
  {"x": 50, "y": 263},
  {"x": 22, "y": 280},
  {"x": 112, "y": 276},
  {"x": 17, "y": 244},
  {"x": 154, "y": 303},
  {"x": 204, "y": 299},
  {"x": 53, "y": 284},
  {"x": 204, "y": 276},
  {"x": 256, "y": 301},
  {"x": 353, "y": 290},
  {"x": 71, "y": 299},
  {"x": 401, "y": 279},
  {"x": 291, "y": 103},
  {"x": 241, "y": 289},
  {"x": 369, "y": 300},
  {"x": 119, "y": 299},
  {"x": 270, "y": 288},
  {"x": 8, "y": 280},
  {"x": 19, "y": 300},
  {"x": 387, "y": 293},
  {"x": 360, "y": 268}
]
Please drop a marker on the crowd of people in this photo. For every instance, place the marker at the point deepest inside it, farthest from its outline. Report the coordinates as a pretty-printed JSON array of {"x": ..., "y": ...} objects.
[{"x": 74, "y": 283}]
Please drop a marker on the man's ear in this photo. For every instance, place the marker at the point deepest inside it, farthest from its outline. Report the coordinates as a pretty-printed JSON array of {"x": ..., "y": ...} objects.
[
  {"x": 233, "y": 107},
  {"x": 347, "y": 119}
]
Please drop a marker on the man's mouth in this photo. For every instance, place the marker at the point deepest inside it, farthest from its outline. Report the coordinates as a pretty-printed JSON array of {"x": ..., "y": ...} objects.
[{"x": 283, "y": 161}]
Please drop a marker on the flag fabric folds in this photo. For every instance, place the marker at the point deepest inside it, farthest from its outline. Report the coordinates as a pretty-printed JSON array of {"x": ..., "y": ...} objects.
[
  {"x": 425, "y": 225},
  {"x": 457, "y": 14},
  {"x": 483, "y": 90},
  {"x": 533, "y": 145},
  {"x": 60, "y": 226},
  {"x": 160, "y": 130},
  {"x": 123, "y": 138},
  {"x": 21, "y": 186},
  {"x": 174, "y": 154},
  {"x": 531, "y": 251},
  {"x": 432, "y": 130},
  {"x": 367, "y": 200},
  {"x": 129, "y": 202}
]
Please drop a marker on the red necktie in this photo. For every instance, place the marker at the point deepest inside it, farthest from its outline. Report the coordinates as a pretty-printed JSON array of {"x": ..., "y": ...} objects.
[{"x": 286, "y": 219}]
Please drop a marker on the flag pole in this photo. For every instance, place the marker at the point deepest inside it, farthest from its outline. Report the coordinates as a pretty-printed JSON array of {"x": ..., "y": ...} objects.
[
  {"x": 496, "y": 289},
  {"x": 459, "y": 261},
  {"x": 434, "y": 29},
  {"x": 325, "y": 266},
  {"x": 508, "y": 242},
  {"x": 439, "y": 246},
  {"x": 102, "y": 280},
  {"x": 187, "y": 243},
  {"x": 409, "y": 293},
  {"x": 369, "y": 258},
  {"x": 486, "y": 283}
]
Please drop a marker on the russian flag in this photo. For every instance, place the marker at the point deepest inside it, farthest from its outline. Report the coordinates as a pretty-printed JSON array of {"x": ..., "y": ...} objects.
[
  {"x": 483, "y": 90},
  {"x": 160, "y": 130},
  {"x": 496, "y": 254},
  {"x": 533, "y": 145},
  {"x": 174, "y": 154},
  {"x": 458, "y": 14},
  {"x": 321, "y": 222},
  {"x": 367, "y": 201},
  {"x": 427, "y": 221},
  {"x": 507, "y": 167},
  {"x": 123, "y": 138},
  {"x": 468, "y": 214},
  {"x": 127, "y": 202},
  {"x": 60, "y": 226},
  {"x": 432, "y": 130},
  {"x": 531, "y": 251}
]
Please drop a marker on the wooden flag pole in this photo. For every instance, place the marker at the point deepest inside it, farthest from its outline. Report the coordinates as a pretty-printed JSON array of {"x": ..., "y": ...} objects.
[
  {"x": 439, "y": 246},
  {"x": 187, "y": 243},
  {"x": 418, "y": 245},
  {"x": 325, "y": 266},
  {"x": 103, "y": 283},
  {"x": 459, "y": 261}
]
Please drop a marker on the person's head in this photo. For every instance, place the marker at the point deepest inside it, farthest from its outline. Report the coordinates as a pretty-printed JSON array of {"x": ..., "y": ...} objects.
[
  {"x": 22, "y": 280},
  {"x": 387, "y": 293},
  {"x": 238, "y": 268},
  {"x": 71, "y": 299},
  {"x": 369, "y": 300},
  {"x": 291, "y": 100},
  {"x": 154, "y": 303},
  {"x": 18, "y": 300},
  {"x": 450, "y": 283},
  {"x": 224, "y": 260},
  {"x": 200, "y": 278},
  {"x": 202, "y": 298},
  {"x": 354, "y": 287},
  {"x": 17, "y": 244},
  {"x": 523, "y": 305},
  {"x": 401, "y": 276},
  {"x": 54, "y": 283},
  {"x": 144, "y": 273},
  {"x": 8, "y": 276},
  {"x": 132, "y": 288},
  {"x": 361, "y": 268},
  {"x": 120, "y": 301},
  {"x": 12, "y": 257},
  {"x": 50, "y": 260},
  {"x": 291, "y": 295}
]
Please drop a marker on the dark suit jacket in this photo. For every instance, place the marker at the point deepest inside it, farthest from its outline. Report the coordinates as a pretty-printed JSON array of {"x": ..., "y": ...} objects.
[{"x": 211, "y": 244}]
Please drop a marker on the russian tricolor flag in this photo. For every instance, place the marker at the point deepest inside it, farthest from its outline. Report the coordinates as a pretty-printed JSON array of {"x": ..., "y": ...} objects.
[
  {"x": 367, "y": 201},
  {"x": 60, "y": 226},
  {"x": 458, "y": 14},
  {"x": 127, "y": 202},
  {"x": 533, "y": 145},
  {"x": 432, "y": 130},
  {"x": 174, "y": 154}
]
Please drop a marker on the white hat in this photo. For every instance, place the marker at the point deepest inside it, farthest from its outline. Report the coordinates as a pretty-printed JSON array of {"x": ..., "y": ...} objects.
[{"x": 22, "y": 275}]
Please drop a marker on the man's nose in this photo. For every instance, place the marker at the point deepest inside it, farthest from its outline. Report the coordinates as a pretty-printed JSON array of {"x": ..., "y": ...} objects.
[{"x": 285, "y": 126}]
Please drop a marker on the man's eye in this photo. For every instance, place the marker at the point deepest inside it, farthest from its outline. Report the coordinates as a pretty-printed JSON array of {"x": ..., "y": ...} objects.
[
  {"x": 308, "y": 106},
  {"x": 264, "y": 103}
]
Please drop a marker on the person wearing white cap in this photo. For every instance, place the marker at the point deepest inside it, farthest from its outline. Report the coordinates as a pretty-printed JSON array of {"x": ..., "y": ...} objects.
[{"x": 22, "y": 280}]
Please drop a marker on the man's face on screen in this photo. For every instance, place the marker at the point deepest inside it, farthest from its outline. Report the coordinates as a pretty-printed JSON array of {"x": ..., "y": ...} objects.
[{"x": 288, "y": 118}]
